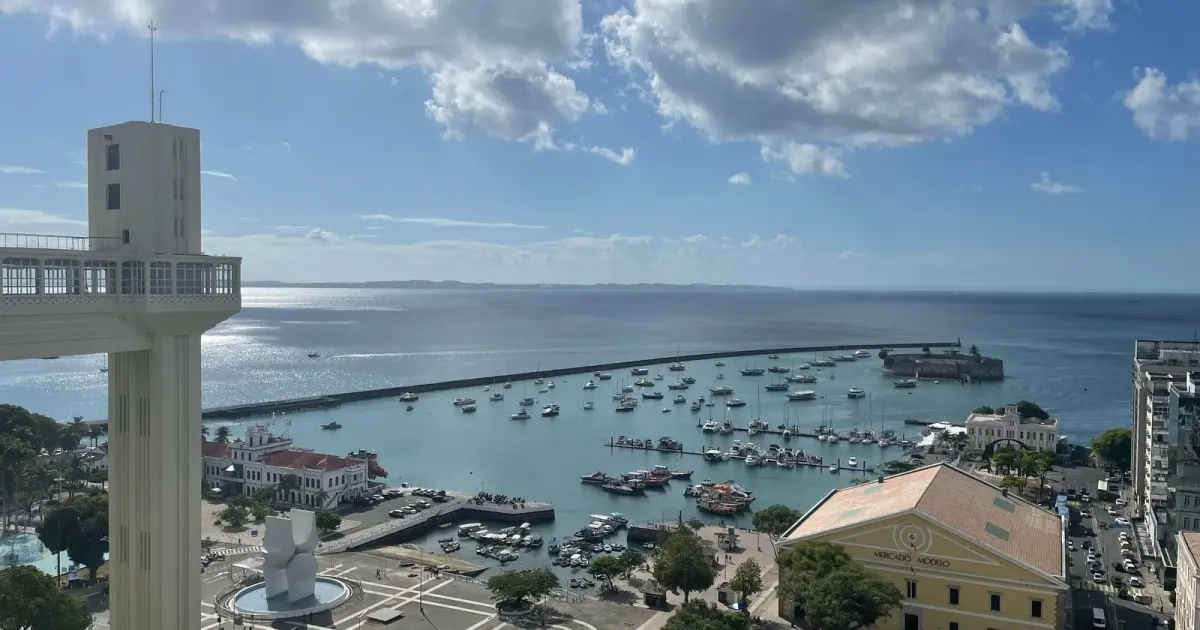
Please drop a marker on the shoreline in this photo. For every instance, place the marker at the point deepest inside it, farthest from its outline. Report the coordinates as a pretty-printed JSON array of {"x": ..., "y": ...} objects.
[{"x": 266, "y": 408}]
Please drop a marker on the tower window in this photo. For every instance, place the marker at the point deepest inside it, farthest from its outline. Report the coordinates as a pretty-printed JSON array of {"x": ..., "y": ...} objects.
[
  {"x": 114, "y": 197},
  {"x": 112, "y": 157}
]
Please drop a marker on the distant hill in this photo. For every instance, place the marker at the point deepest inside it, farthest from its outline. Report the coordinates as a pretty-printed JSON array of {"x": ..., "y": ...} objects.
[{"x": 454, "y": 284}]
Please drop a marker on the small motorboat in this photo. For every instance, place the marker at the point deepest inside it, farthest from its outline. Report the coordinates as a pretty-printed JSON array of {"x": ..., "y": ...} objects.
[
  {"x": 314, "y": 355},
  {"x": 666, "y": 410},
  {"x": 332, "y": 426},
  {"x": 408, "y": 397},
  {"x": 408, "y": 408},
  {"x": 468, "y": 408},
  {"x": 496, "y": 397},
  {"x": 521, "y": 414},
  {"x": 589, "y": 405},
  {"x": 852, "y": 462}
]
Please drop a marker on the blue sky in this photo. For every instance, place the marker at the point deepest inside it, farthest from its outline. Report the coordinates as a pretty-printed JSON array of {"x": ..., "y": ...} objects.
[{"x": 1026, "y": 144}]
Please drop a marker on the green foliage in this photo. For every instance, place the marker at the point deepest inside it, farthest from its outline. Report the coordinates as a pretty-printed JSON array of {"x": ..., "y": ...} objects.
[
  {"x": 699, "y": 615},
  {"x": 79, "y": 527},
  {"x": 517, "y": 586},
  {"x": 1114, "y": 447},
  {"x": 747, "y": 580},
  {"x": 985, "y": 410},
  {"x": 974, "y": 352},
  {"x": 833, "y": 589},
  {"x": 694, "y": 524},
  {"x": 683, "y": 563},
  {"x": 775, "y": 519},
  {"x": 30, "y": 600},
  {"x": 59, "y": 527},
  {"x": 328, "y": 521},
  {"x": 223, "y": 434},
  {"x": 895, "y": 467},
  {"x": 1012, "y": 483},
  {"x": 631, "y": 560},
  {"x": 234, "y": 515},
  {"x": 605, "y": 568},
  {"x": 260, "y": 512},
  {"x": 1029, "y": 409}
]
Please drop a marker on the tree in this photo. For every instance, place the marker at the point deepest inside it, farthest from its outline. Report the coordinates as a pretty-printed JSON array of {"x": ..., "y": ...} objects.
[
  {"x": 833, "y": 590},
  {"x": 700, "y": 615},
  {"x": 234, "y": 515},
  {"x": 682, "y": 563},
  {"x": 223, "y": 434},
  {"x": 1114, "y": 447},
  {"x": 775, "y": 519},
  {"x": 59, "y": 529},
  {"x": 984, "y": 410},
  {"x": 895, "y": 467},
  {"x": 1029, "y": 409},
  {"x": 514, "y": 587},
  {"x": 328, "y": 521},
  {"x": 926, "y": 351},
  {"x": 605, "y": 568},
  {"x": 1012, "y": 483},
  {"x": 91, "y": 545},
  {"x": 747, "y": 580},
  {"x": 694, "y": 524},
  {"x": 31, "y": 600},
  {"x": 975, "y": 354},
  {"x": 1037, "y": 464},
  {"x": 288, "y": 486},
  {"x": 631, "y": 560},
  {"x": 1004, "y": 460}
]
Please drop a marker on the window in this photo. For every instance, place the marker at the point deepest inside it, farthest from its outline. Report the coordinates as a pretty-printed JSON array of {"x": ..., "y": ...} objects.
[
  {"x": 112, "y": 157},
  {"x": 100, "y": 276},
  {"x": 20, "y": 276},
  {"x": 160, "y": 278},
  {"x": 953, "y": 625},
  {"x": 1035, "y": 608},
  {"x": 114, "y": 197},
  {"x": 133, "y": 278},
  {"x": 912, "y": 589},
  {"x": 995, "y": 602},
  {"x": 953, "y": 595}
]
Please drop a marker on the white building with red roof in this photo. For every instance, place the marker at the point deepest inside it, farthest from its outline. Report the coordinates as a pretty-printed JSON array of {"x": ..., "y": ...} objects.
[{"x": 261, "y": 460}]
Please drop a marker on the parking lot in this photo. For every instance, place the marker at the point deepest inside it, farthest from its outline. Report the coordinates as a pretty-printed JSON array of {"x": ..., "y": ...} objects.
[{"x": 1097, "y": 531}]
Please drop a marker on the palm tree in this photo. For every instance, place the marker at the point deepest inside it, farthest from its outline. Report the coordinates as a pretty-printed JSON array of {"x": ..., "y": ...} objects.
[
  {"x": 95, "y": 433},
  {"x": 288, "y": 485},
  {"x": 204, "y": 431},
  {"x": 320, "y": 498},
  {"x": 975, "y": 354},
  {"x": 223, "y": 433}
]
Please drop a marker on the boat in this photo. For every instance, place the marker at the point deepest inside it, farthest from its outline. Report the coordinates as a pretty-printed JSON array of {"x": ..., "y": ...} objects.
[
  {"x": 459, "y": 402},
  {"x": 852, "y": 462},
  {"x": 507, "y": 385},
  {"x": 666, "y": 410},
  {"x": 824, "y": 362},
  {"x": 680, "y": 399},
  {"x": 677, "y": 385},
  {"x": 752, "y": 460},
  {"x": 845, "y": 358},
  {"x": 862, "y": 354},
  {"x": 696, "y": 405},
  {"x": 539, "y": 381},
  {"x": 408, "y": 397},
  {"x": 658, "y": 377},
  {"x": 626, "y": 406},
  {"x": 802, "y": 378},
  {"x": 688, "y": 380},
  {"x": 550, "y": 410},
  {"x": 652, "y": 395},
  {"x": 408, "y": 408},
  {"x": 779, "y": 369},
  {"x": 550, "y": 385},
  {"x": 772, "y": 356},
  {"x": 589, "y": 385},
  {"x": 468, "y": 408},
  {"x": 719, "y": 364},
  {"x": 804, "y": 394},
  {"x": 833, "y": 468},
  {"x": 496, "y": 397},
  {"x": 597, "y": 478},
  {"x": 712, "y": 426},
  {"x": 735, "y": 402},
  {"x": 589, "y": 405},
  {"x": 720, "y": 377},
  {"x": 604, "y": 376},
  {"x": 644, "y": 382},
  {"x": 520, "y": 415},
  {"x": 311, "y": 355},
  {"x": 856, "y": 392},
  {"x": 804, "y": 366},
  {"x": 677, "y": 367},
  {"x": 720, "y": 391},
  {"x": 528, "y": 402},
  {"x": 906, "y": 383},
  {"x": 639, "y": 371},
  {"x": 617, "y": 488},
  {"x": 753, "y": 372},
  {"x": 332, "y": 426},
  {"x": 776, "y": 387}
]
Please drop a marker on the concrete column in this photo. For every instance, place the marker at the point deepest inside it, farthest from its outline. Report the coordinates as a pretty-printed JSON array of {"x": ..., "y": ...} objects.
[{"x": 154, "y": 485}]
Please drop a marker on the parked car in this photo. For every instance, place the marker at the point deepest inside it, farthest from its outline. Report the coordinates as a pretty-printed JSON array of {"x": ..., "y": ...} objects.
[{"x": 1136, "y": 582}]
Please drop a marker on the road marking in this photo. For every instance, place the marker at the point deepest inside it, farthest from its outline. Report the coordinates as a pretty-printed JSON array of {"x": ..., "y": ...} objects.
[
  {"x": 426, "y": 602},
  {"x": 388, "y": 599},
  {"x": 438, "y": 595}
]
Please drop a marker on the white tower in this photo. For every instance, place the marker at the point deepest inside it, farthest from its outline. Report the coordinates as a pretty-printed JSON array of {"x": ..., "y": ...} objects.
[{"x": 139, "y": 288}]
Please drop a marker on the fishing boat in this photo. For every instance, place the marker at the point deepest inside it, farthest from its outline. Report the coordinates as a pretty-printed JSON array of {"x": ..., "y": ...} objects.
[
  {"x": 779, "y": 369},
  {"x": 639, "y": 371},
  {"x": 776, "y": 387},
  {"x": 753, "y": 371},
  {"x": 802, "y": 378},
  {"x": 720, "y": 391},
  {"x": 677, "y": 385},
  {"x": 599, "y": 477},
  {"x": 652, "y": 395},
  {"x": 824, "y": 362}
]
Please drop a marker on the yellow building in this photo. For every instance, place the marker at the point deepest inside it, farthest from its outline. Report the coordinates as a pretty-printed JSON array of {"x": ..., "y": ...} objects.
[{"x": 965, "y": 554}]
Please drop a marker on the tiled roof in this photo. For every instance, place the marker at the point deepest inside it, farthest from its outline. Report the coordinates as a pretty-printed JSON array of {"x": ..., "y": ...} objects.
[
  {"x": 1191, "y": 543},
  {"x": 308, "y": 460},
  {"x": 217, "y": 450},
  {"x": 955, "y": 499}
]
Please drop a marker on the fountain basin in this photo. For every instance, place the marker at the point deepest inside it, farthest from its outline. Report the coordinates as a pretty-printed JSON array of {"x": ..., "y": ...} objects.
[{"x": 252, "y": 601}]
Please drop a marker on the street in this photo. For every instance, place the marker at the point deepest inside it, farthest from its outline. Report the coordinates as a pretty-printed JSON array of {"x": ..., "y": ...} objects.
[{"x": 1099, "y": 532}]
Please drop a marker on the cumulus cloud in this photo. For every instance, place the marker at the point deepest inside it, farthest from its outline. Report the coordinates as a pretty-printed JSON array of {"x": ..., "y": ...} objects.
[
  {"x": 491, "y": 64},
  {"x": 1162, "y": 110},
  {"x": 742, "y": 179},
  {"x": 1047, "y": 185},
  {"x": 805, "y": 76}
]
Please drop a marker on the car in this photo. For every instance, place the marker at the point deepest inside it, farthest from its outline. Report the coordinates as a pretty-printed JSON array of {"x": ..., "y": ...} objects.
[
  {"x": 1112, "y": 511},
  {"x": 396, "y": 514},
  {"x": 408, "y": 509},
  {"x": 1123, "y": 593},
  {"x": 1117, "y": 566},
  {"x": 1070, "y": 546},
  {"x": 1091, "y": 557},
  {"x": 1120, "y": 502},
  {"x": 1126, "y": 545},
  {"x": 1121, "y": 522},
  {"x": 1098, "y": 578},
  {"x": 1086, "y": 544},
  {"x": 1116, "y": 580},
  {"x": 1085, "y": 514},
  {"x": 1136, "y": 582}
]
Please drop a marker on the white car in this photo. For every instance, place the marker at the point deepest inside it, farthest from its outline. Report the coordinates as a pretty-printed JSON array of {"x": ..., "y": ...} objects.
[
  {"x": 1120, "y": 502},
  {"x": 1121, "y": 521},
  {"x": 1098, "y": 578},
  {"x": 1113, "y": 512},
  {"x": 1091, "y": 557},
  {"x": 1085, "y": 514},
  {"x": 1136, "y": 582}
]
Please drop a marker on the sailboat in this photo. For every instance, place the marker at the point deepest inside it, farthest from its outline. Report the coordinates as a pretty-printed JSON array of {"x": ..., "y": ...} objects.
[{"x": 104, "y": 370}]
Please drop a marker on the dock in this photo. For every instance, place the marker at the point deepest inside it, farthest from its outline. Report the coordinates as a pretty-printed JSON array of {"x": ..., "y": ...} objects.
[
  {"x": 399, "y": 530},
  {"x": 233, "y": 412},
  {"x": 612, "y": 443}
]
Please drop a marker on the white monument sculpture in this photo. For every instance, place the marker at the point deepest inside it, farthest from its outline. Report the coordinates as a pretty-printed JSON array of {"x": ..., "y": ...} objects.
[{"x": 289, "y": 566}]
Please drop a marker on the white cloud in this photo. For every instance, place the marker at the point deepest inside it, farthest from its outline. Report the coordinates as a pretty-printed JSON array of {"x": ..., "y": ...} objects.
[
  {"x": 1164, "y": 111},
  {"x": 1050, "y": 187},
  {"x": 820, "y": 74},
  {"x": 444, "y": 223},
  {"x": 805, "y": 158},
  {"x": 742, "y": 179},
  {"x": 492, "y": 64},
  {"x": 35, "y": 221},
  {"x": 19, "y": 170},
  {"x": 220, "y": 175},
  {"x": 70, "y": 185},
  {"x": 849, "y": 255}
]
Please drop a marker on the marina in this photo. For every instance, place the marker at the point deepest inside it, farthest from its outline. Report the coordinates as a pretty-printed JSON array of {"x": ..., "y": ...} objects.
[{"x": 640, "y": 445}]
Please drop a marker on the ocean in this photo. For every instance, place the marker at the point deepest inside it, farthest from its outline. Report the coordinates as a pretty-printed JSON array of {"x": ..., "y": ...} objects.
[{"x": 1069, "y": 353}]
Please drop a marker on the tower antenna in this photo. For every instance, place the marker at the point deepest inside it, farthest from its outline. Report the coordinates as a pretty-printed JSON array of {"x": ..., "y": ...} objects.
[
  {"x": 160, "y": 96},
  {"x": 152, "y": 29}
]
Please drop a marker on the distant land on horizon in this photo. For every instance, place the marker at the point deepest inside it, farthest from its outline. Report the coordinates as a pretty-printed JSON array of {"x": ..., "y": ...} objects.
[{"x": 455, "y": 284}]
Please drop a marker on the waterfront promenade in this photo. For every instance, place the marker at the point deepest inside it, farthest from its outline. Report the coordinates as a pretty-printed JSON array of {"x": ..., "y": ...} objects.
[{"x": 328, "y": 401}]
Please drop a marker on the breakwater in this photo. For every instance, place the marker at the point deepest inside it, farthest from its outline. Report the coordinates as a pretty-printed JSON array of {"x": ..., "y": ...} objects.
[{"x": 267, "y": 408}]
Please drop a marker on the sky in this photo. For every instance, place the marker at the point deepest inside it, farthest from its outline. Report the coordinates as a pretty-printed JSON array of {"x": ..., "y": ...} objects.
[{"x": 964, "y": 144}]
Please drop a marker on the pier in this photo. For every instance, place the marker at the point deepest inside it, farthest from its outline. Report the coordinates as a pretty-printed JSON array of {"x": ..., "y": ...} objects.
[
  {"x": 612, "y": 443},
  {"x": 399, "y": 530},
  {"x": 233, "y": 412}
]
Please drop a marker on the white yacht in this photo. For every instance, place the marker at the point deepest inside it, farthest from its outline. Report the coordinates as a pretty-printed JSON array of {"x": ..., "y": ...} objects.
[
  {"x": 507, "y": 384},
  {"x": 521, "y": 414},
  {"x": 752, "y": 460},
  {"x": 696, "y": 405},
  {"x": 862, "y": 354},
  {"x": 496, "y": 397},
  {"x": 856, "y": 392},
  {"x": 680, "y": 399},
  {"x": 460, "y": 402},
  {"x": 589, "y": 405},
  {"x": 802, "y": 378},
  {"x": 852, "y": 462},
  {"x": 834, "y": 469},
  {"x": 604, "y": 376},
  {"x": 804, "y": 394},
  {"x": 804, "y": 366},
  {"x": 589, "y": 385},
  {"x": 666, "y": 410},
  {"x": 712, "y": 426},
  {"x": 550, "y": 385},
  {"x": 527, "y": 402},
  {"x": 735, "y": 402},
  {"x": 550, "y": 410},
  {"x": 719, "y": 364}
]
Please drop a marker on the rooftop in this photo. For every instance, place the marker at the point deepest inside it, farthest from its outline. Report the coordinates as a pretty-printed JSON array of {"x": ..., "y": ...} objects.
[
  {"x": 216, "y": 449},
  {"x": 992, "y": 417},
  {"x": 957, "y": 500},
  {"x": 308, "y": 460},
  {"x": 1191, "y": 545}
]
